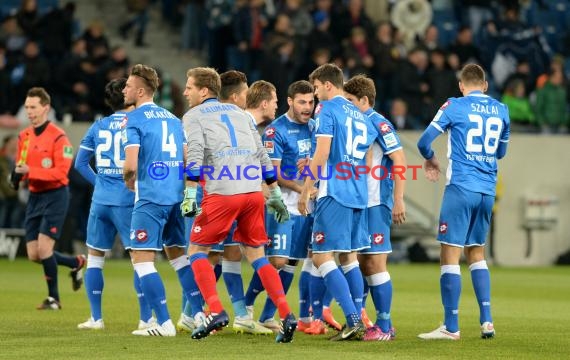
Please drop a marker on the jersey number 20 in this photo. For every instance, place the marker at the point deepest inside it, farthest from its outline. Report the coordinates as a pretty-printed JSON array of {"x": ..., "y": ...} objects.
[{"x": 109, "y": 140}]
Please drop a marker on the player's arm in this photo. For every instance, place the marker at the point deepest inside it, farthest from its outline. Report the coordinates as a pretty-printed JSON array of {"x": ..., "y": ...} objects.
[
  {"x": 62, "y": 159},
  {"x": 399, "y": 162},
  {"x": 319, "y": 161},
  {"x": 131, "y": 165},
  {"x": 82, "y": 166},
  {"x": 505, "y": 135},
  {"x": 289, "y": 184},
  {"x": 194, "y": 155}
]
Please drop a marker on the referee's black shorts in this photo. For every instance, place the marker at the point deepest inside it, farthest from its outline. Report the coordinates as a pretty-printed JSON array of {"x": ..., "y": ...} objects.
[{"x": 45, "y": 213}]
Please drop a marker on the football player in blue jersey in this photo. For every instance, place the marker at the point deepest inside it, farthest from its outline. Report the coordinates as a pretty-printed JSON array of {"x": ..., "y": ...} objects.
[
  {"x": 386, "y": 183},
  {"x": 344, "y": 135},
  {"x": 111, "y": 205},
  {"x": 154, "y": 143},
  {"x": 478, "y": 128}
]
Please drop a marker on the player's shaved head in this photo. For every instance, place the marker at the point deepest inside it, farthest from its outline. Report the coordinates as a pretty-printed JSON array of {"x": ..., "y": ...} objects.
[
  {"x": 233, "y": 82},
  {"x": 40, "y": 93},
  {"x": 328, "y": 72},
  {"x": 148, "y": 76},
  {"x": 472, "y": 75},
  {"x": 114, "y": 97},
  {"x": 258, "y": 92},
  {"x": 206, "y": 77},
  {"x": 361, "y": 86}
]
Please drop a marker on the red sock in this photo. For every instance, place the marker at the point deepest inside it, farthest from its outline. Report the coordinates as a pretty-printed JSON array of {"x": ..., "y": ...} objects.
[
  {"x": 272, "y": 284},
  {"x": 206, "y": 281}
]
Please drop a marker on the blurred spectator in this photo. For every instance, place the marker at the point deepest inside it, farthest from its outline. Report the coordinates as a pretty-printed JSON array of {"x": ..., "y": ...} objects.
[
  {"x": 32, "y": 70},
  {"x": 279, "y": 69},
  {"x": 220, "y": 37},
  {"x": 442, "y": 81},
  {"x": 410, "y": 84},
  {"x": 169, "y": 94},
  {"x": 319, "y": 56},
  {"x": 476, "y": 13},
  {"x": 430, "y": 38},
  {"x": 400, "y": 118},
  {"x": 13, "y": 38},
  {"x": 321, "y": 36},
  {"x": 464, "y": 47},
  {"x": 357, "y": 54},
  {"x": 551, "y": 106},
  {"x": 412, "y": 18},
  {"x": 301, "y": 25},
  {"x": 522, "y": 72},
  {"x": 139, "y": 18},
  {"x": 385, "y": 64},
  {"x": 11, "y": 210},
  {"x": 56, "y": 29},
  {"x": 95, "y": 38},
  {"x": 193, "y": 25},
  {"x": 281, "y": 32},
  {"x": 520, "y": 110},
  {"x": 353, "y": 15},
  {"x": 28, "y": 18}
]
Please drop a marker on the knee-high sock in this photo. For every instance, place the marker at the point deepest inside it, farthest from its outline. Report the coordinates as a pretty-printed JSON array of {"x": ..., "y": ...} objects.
[
  {"x": 481, "y": 280},
  {"x": 450, "y": 283},
  {"x": 206, "y": 281},
  {"x": 153, "y": 290},
  {"x": 66, "y": 260},
  {"x": 317, "y": 293},
  {"x": 355, "y": 282},
  {"x": 381, "y": 292},
  {"x": 304, "y": 290},
  {"x": 272, "y": 284},
  {"x": 145, "y": 311},
  {"x": 231, "y": 271},
  {"x": 286, "y": 275},
  {"x": 94, "y": 284},
  {"x": 338, "y": 286},
  {"x": 50, "y": 273},
  {"x": 254, "y": 288},
  {"x": 365, "y": 291},
  {"x": 186, "y": 278}
]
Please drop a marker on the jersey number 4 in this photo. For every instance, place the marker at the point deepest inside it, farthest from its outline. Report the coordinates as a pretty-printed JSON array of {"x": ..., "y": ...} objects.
[{"x": 492, "y": 129}]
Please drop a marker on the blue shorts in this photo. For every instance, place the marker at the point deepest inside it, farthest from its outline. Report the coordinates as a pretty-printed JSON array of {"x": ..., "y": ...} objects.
[
  {"x": 104, "y": 223},
  {"x": 156, "y": 226},
  {"x": 45, "y": 213},
  {"x": 229, "y": 241},
  {"x": 465, "y": 217},
  {"x": 290, "y": 239},
  {"x": 339, "y": 228},
  {"x": 379, "y": 221}
]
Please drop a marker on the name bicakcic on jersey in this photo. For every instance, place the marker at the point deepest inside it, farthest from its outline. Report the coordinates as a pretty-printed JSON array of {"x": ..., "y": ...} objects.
[{"x": 160, "y": 170}]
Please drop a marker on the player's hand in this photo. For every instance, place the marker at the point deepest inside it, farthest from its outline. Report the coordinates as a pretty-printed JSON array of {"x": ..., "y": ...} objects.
[
  {"x": 303, "y": 202},
  {"x": 432, "y": 170},
  {"x": 313, "y": 193},
  {"x": 399, "y": 212},
  {"x": 189, "y": 207},
  {"x": 22, "y": 169},
  {"x": 15, "y": 179},
  {"x": 276, "y": 206}
]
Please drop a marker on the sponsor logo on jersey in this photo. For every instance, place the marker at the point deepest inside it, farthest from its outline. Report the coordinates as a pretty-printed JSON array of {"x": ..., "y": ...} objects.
[
  {"x": 68, "y": 152},
  {"x": 197, "y": 229},
  {"x": 443, "y": 228},
  {"x": 445, "y": 104},
  {"x": 124, "y": 122},
  {"x": 269, "y": 147},
  {"x": 378, "y": 239},
  {"x": 270, "y": 132},
  {"x": 141, "y": 235},
  {"x": 390, "y": 140},
  {"x": 384, "y": 127},
  {"x": 319, "y": 237}
]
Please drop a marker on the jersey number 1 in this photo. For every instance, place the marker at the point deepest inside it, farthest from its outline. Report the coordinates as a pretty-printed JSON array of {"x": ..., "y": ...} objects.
[{"x": 352, "y": 144}]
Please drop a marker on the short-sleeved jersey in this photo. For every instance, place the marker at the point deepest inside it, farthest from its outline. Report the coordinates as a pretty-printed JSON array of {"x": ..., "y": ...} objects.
[
  {"x": 288, "y": 141},
  {"x": 48, "y": 153},
  {"x": 352, "y": 133},
  {"x": 476, "y": 123},
  {"x": 224, "y": 148},
  {"x": 104, "y": 139},
  {"x": 380, "y": 178},
  {"x": 160, "y": 138}
]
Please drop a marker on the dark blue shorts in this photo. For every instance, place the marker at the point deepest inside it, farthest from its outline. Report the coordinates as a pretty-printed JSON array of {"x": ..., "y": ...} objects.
[{"x": 45, "y": 213}]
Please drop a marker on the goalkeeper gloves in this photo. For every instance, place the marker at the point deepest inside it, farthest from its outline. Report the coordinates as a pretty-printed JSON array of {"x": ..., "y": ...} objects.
[
  {"x": 189, "y": 207},
  {"x": 276, "y": 206}
]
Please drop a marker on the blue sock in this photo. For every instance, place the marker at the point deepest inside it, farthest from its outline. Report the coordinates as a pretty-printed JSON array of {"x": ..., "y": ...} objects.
[
  {"x": 231, "y": 271},
  {"x": 145, "y": 311},
  {"x": 218, "y": 271},
  {"x": 381, "y": 292},
  {"x": 365, "y": 292},
  {"x": 66, "y": 260},
  {"x": 94, "y": 284},
  {"x": 482, "y": 285},
  {"x": 304, "y": 291},
  {"x": 327, "y": 298},
  {"x": 355, "y": 282},
  {"x": 338, "y": 286},
  {"x": 254, "y": 288},
  {"x": 450, "y": 283},
  {"x": 50, "y": 272},
  {"x": 153, "y": 289},
  {"x": 184, "y": 301},
  {"x": 189, "y": 287},
  {"x": 286, "y": 275},
  {"x": 317, "y": 292}
]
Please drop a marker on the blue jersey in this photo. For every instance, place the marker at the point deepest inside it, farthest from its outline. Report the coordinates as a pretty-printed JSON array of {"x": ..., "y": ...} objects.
[
  {"x": 104, "y": 139},
  {"x": 352, "y": 133},
  {"x": 380, "y": 178},
  {"x": 160, "y": 138},
  {"x": 476, "y": 124},
  {"x": 288, "y": 142}
]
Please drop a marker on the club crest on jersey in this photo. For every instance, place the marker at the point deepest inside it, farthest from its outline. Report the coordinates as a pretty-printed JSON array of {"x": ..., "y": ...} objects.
[
  {"x": 318, "y": 108},
  {"x": 197, "y": 229},
  {"x": 141, "y": 235},
  {"x": 319, "y": 237},
  {"x": 124, "y": 122},
  {"x": 377, "y": 239},
  {"x": 269, "y": 147},
  {"x": 443, "y": 228},
  {"x": 270, "y": 132},
  {"x": 384, "y": 127},
  {"x": 47, "y": 163}
]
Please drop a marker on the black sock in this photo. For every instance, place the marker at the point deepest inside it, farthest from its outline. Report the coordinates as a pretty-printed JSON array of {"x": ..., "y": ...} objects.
[
  {"x": 50, "y": 272},
  {"x": 66, "y": 260}
]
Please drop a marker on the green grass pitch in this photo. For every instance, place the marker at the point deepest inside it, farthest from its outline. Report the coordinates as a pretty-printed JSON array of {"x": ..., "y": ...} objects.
[{"x": 531, "y": 308}]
